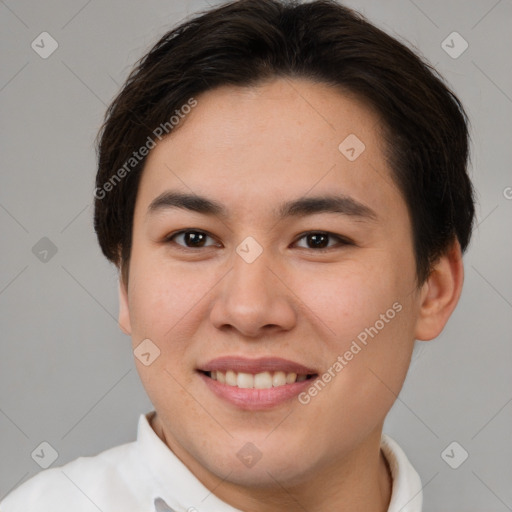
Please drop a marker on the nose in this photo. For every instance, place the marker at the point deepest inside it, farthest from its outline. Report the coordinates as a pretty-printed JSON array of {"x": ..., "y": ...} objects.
[{"x": 254, "y": 299}]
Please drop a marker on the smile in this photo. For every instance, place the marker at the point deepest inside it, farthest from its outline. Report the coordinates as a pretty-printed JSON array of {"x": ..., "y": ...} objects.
[
  {"x": 263, "y": 380},
  {"x": 256, "y": 384}
]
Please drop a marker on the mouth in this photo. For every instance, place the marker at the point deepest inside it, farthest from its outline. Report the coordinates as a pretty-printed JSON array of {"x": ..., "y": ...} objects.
[
  {"x": 256, "y": 384},
  {"x": 262, "y": 380}
]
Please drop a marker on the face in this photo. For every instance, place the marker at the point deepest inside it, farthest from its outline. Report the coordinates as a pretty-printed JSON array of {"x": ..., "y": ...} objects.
[{"x": 284, "y": 304}]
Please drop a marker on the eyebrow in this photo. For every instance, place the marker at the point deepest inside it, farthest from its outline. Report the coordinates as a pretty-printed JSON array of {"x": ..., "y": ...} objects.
[{"x": 301, "y": 207}]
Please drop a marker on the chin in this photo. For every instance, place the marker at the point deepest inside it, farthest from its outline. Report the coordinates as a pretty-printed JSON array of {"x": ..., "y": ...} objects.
[{"x": 247, "y": 465}]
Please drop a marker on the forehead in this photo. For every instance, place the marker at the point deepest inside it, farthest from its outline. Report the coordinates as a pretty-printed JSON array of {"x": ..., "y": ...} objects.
[{"x": 257, "y": 146}]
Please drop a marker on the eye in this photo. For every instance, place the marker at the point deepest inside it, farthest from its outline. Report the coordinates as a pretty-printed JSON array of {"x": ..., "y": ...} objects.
[
  {"x": 190, "y": 239},
  {"x": 320, "y": 240}
]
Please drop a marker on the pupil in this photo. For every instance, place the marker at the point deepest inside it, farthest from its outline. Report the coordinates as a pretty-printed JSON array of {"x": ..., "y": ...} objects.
[
  {"x": 194, "y": 238},
  {"x": 318, "y": 240}
]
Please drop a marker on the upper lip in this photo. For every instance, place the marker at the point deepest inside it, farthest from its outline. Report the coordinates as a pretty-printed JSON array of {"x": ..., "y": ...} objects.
[{"x": 263, "y": 364}]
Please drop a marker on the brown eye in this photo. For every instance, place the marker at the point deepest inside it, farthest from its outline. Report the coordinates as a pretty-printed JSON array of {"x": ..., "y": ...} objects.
[
  {"x": 317, "y": 240},
  {"x": 191, "y": 239},
  {"x": 322, "y": 240}
]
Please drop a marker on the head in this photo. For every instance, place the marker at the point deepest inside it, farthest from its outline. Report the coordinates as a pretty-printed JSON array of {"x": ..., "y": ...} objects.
[{"x": 282, "y": 181}]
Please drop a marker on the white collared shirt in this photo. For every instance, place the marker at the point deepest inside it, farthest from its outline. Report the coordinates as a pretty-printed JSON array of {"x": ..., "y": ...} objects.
[{"x": 146, "y": 476}]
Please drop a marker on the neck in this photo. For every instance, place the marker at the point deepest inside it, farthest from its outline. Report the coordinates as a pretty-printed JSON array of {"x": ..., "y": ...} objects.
[{"x": 360, "y": 482}]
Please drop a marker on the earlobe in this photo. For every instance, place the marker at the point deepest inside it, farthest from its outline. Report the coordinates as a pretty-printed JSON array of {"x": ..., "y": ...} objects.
[
  {"x": 440, "y": 294},
  {"x": 124, "y": 311}
]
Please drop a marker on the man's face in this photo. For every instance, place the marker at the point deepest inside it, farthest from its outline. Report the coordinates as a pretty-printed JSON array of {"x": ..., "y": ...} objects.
[{"x": 263, "y": 292}]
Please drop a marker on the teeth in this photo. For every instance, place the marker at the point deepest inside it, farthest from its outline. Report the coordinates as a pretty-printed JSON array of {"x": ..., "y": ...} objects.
[
  {"x": 291, "y": 378},
  {"x": 230, "y": 378},
  {"x": 245, "y": 380},
  {"x": 279, "y": 379},
  {"x": 263, "y": 380}
]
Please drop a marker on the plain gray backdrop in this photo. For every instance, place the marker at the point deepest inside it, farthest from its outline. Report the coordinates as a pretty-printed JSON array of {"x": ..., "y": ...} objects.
[{"x": 67, "y": 375}]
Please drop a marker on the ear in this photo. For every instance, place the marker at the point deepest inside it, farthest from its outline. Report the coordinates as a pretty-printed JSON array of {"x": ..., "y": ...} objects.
[
  {"x": 124, "y": 311},
  {"x": 440, "y": 294}
]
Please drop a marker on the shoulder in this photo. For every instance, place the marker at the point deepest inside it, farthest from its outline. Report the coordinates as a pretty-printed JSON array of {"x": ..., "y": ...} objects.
[{"x": 82, "y": 485}]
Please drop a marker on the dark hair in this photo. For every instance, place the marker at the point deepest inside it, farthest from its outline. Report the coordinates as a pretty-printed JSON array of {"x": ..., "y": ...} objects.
[{"x": 247, "y": 42}]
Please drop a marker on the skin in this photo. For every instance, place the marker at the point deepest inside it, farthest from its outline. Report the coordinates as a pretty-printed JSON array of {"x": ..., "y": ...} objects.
[{"x": 252, "y": 149}]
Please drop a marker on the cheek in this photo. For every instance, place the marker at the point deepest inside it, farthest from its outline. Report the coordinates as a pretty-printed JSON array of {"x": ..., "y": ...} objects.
[
  {"x": 347, "y": 299},
  {"x": 153, "y": 300},
  {"x": 370, "y": 313},
  {"x": 365, "y": 370},
  {"x": 163, "y": 294}
]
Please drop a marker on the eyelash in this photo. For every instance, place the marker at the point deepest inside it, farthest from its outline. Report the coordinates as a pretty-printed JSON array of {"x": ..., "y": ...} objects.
[{"x": 342, "y": 241}]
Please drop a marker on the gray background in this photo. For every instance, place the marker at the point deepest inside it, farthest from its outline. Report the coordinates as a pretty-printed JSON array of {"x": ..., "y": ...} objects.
[{"x": 67, "y": 374}]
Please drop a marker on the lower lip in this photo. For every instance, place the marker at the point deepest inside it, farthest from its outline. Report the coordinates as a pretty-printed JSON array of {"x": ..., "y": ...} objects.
[{"x": 256, "y": 399}]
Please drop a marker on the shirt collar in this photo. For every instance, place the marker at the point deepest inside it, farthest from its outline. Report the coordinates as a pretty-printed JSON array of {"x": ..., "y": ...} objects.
[
  {"x": 181, "y": 491},
  {"x": 407, "y": 494}
]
